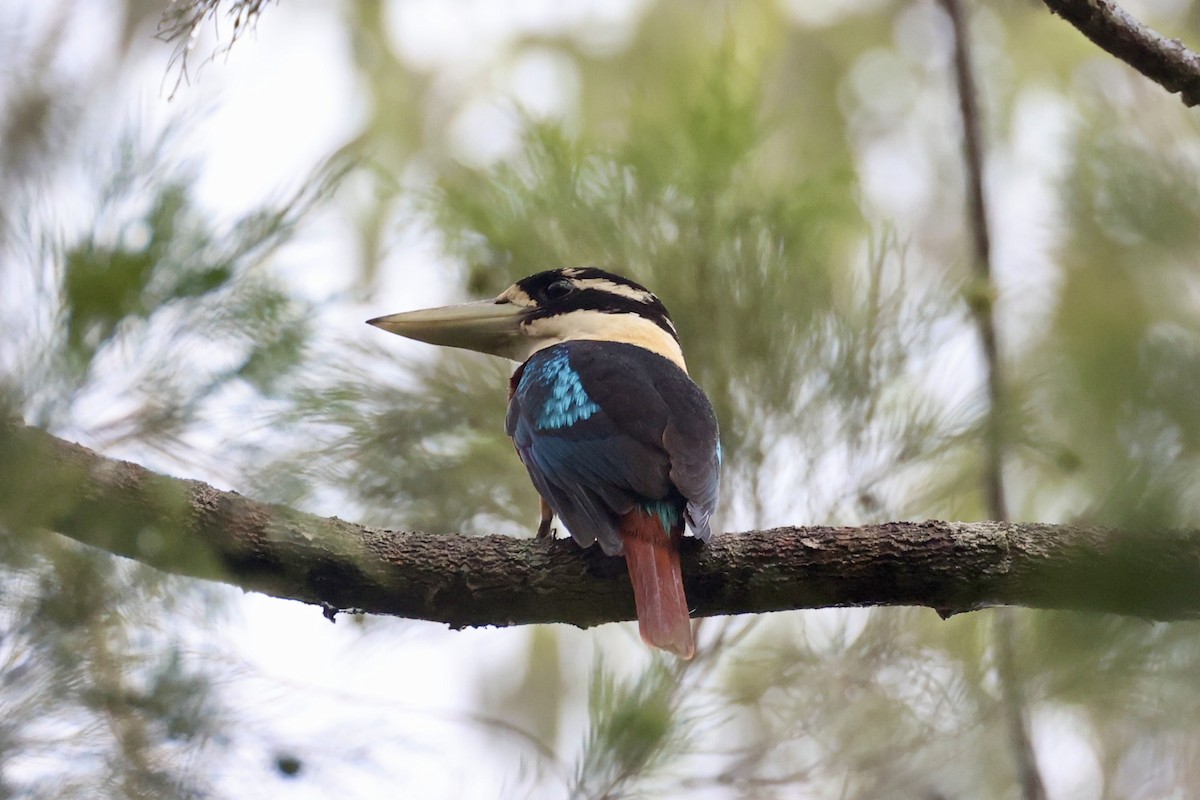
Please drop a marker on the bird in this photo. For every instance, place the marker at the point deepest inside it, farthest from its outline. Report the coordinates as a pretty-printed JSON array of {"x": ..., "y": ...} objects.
[{"x": 619, "y": 442}]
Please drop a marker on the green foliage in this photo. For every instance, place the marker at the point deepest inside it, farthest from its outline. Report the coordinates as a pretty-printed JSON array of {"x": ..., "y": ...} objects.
[
  {"x": 160, "y": 303},
  {"x": 129, "y": 325},
  {"x": 789, "y": 187},
  {"x": 78, "y": 688},
  {"x": 1124, "y": 329},
  {"x": 107, "y": 284},
  {"x": 635, "y": 730},
  {"x": 430, "y": 453}
]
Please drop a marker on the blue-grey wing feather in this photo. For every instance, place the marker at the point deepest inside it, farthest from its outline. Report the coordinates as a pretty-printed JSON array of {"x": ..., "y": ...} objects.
[{"x": 632, "y": 429}]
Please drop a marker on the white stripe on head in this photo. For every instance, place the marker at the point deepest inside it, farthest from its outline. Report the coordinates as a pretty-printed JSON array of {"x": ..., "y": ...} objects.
[
  {"x": 604, "y": 327},
  {"x": 624, "y": 290},
  {"x": 517, "y": 296},
  {"x": 612, "y": 287}
]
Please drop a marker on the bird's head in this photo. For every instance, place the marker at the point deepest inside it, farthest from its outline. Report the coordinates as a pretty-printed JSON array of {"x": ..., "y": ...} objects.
[{"x": 558, "y": 305}]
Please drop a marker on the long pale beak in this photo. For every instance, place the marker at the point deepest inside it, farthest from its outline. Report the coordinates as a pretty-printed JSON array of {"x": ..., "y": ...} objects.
[{"x": 484, "y": 326}]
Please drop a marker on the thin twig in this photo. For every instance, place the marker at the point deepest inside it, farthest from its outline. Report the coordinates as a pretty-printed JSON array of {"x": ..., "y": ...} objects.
[
  {"x": 982, "y": 296},
  {"x": 183, "y": 20}
]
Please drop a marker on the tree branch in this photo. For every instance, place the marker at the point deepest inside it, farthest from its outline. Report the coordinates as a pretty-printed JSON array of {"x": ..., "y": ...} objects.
[
  {"x": 1165, "y": 61},
  {"x": 190, "y": 528}
]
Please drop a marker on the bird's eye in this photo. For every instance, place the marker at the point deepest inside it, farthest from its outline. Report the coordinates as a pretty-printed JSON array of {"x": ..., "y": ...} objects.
[{"x": 559, "y": 289}]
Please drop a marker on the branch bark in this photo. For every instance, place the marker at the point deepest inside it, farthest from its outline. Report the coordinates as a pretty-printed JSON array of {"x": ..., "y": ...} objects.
[
  {"x": 190, "y": 528},
  {"x": 1165, "y": 61}
]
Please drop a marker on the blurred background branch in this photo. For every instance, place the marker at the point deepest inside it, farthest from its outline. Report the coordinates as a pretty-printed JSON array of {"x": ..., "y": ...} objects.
[
  {"x": 1167, "y": 62},
  {"x": 982, "y": 298}
]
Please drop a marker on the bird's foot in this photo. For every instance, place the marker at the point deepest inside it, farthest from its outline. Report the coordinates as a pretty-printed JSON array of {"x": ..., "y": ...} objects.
[{"x": 544, "y": 529}]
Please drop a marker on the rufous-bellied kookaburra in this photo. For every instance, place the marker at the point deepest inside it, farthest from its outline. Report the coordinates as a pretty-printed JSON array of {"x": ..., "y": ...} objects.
[{"x": 618, "y": 440}]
